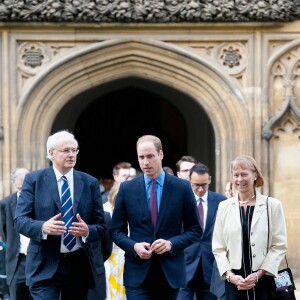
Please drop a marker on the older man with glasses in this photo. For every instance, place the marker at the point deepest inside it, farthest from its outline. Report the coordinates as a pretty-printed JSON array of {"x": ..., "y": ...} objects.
[
  {"x": 60, "y": 210},
  {"x": 199, "y": 257}
]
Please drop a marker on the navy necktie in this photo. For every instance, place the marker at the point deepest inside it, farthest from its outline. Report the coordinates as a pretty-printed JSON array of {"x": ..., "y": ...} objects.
[
  {"x": 67, "y": 210},
  {"x": 201, "y": 212},
  {"x": 153, "y": 203}
]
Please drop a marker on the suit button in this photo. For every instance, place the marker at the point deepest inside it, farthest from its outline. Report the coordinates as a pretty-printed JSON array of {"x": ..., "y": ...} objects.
[
  {"x": 253, "y": 244},
  {"x": 254, "y": 255},
  {"x": 251, "y": 232}
]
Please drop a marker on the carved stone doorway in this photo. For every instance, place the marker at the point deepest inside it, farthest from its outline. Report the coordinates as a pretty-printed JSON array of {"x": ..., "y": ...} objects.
[{"x": 108, "y": 119}]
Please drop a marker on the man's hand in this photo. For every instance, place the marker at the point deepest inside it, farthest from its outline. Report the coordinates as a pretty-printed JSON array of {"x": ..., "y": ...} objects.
[
  {"x": 79, "y": 228},
  {"x": 143, "y": 250},
  {"x": 161, "y": 246},
  {"x": 54, "y": 227}
]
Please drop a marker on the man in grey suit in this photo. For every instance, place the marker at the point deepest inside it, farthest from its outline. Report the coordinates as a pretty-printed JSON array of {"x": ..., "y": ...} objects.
[
  {"x": 60, "y": 210},
  {"x": 16, "y": 244}
]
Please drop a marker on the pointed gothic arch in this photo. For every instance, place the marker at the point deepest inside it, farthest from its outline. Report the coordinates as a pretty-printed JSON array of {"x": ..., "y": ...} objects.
[{"x": 94, "y": 65}]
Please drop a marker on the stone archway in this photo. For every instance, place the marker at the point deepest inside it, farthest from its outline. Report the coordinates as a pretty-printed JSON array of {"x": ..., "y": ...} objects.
[{"x": 94, "y": 65}]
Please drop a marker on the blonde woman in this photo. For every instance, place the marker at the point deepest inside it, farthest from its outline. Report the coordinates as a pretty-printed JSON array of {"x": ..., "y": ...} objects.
[
  {"x": 114, "y": 266},
  {"x": 240, "y": 238}
]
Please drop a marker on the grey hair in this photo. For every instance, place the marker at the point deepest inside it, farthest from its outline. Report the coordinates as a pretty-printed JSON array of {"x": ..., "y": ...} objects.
[
  {"x": 17, "y": 173},
  {"x": 52, "y": 140}
]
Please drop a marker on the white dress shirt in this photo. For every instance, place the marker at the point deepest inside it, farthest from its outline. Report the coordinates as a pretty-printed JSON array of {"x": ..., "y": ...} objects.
[{"x": 204, "y": 204}]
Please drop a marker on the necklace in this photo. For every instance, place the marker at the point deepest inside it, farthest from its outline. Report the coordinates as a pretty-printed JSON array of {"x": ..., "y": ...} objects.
[{"x": 246, "y": 201}]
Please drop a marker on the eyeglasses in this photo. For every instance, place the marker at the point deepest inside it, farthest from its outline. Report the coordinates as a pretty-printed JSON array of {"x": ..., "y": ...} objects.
[
  {"x": 67, "y": 151},
  {"x": 197, "y": 185},
  {"x": 184, "y": 170}
]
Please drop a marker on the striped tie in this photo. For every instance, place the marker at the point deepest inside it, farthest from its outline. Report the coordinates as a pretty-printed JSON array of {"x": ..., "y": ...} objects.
[{"x": 67, "y": 210}]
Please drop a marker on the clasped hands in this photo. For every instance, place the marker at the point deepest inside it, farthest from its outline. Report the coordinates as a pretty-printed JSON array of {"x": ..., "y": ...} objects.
[
  {"x": 55, "y": 226},
  {"x": 144, "y": 250},
  {"x": 244, "y": 283}
]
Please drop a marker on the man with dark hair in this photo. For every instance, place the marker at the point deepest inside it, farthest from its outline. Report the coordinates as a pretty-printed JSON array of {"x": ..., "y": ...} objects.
[
  {"x": 121, "y": 172},
  {"x": 184, "y": 165},
  {"x": 199, "y": 256},
  {"x": 161, "y": 213}
]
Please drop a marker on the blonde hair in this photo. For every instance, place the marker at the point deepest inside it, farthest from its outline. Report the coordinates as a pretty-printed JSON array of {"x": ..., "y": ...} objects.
[
  {"x": 113, "y": 194},
  {"x": 248, "y": 162}
]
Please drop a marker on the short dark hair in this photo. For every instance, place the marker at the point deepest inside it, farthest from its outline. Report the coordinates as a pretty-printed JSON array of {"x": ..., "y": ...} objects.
[
  {"x": 200, "y": 169},
  {"x": 184, "y": 158}
]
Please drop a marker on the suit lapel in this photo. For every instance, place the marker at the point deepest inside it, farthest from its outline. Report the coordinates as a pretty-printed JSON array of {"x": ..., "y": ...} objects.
[
  {"x": 211, "y": 210},
  {"x": 165, "y": 198},
  {"x": 236, "y": 207},
  {"x": 260, "y": 206},
  {"x": 13, "y": 205},
  {"x": 78, "y": 188},
  {"x": 51, "y": 184}
]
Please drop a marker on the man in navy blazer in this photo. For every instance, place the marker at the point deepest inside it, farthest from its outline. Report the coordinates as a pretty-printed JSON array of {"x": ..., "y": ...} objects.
[
  {"x": 154, "y": 259},
  {"x": 54, "y": 269},
  {"x": 199, "y": 258}
]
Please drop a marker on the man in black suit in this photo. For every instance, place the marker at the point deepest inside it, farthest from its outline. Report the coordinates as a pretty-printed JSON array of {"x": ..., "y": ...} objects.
[
  {"x": 101, "y": 252},
  {"x": 199, "y": 258},
  {"x": 16, "y": 244},
  {"x": 160, "y": 211},
  {"x": 60, "y": 210}
]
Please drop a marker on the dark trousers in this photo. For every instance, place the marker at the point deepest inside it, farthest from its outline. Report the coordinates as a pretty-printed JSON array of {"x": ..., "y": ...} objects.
[
  {"x": 18, "y": 290},
  {"x": 197, "y": 288},
  {"x": 70, "y": 282},
  {"x": 99, "y": 293},
  {"x": 155, "y": 286}
]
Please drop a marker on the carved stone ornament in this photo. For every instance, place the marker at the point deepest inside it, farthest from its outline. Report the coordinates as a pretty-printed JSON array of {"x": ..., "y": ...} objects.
[
  {"x": 32, "y": 57},
  {"x": 289, "y": 107},
  {"x": 232, "y": 57},
  {"x": 149, "y": 11}
]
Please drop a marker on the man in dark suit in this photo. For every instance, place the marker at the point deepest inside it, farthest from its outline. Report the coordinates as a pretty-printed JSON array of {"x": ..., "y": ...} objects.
[
  {"x": 161, "y": 213},
  {"x": 199, "y": 258},
  {"x": 101, "y": 252},
  {"x": 60, "y": 210},
  {"x": 16, "y": 244}
]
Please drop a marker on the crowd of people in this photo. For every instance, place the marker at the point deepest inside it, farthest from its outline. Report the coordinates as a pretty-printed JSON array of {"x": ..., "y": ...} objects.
[{"x": 149, "y": 235}]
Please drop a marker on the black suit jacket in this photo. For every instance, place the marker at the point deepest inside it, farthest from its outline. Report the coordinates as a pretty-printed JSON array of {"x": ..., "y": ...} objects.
[
  {"x": 177, "y": 221},
  {"x": 9, "y": 234},
  {"x": 39, "y": 201},
  {"x": 101, "y": 251}
]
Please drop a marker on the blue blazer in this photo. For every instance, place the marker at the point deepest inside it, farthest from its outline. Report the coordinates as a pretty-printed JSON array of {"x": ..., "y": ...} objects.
[
  {"x": 178, "y": 221},
  {"x": 203, "y": 249},
  {"x": 39, "y": 201}
]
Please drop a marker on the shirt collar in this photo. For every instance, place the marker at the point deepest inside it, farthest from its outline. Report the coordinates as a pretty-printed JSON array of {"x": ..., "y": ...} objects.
[
  {"x": 204, "y": 198},
  {"x": 58, "y": 175},
  {"x": 160, "y": 179}
]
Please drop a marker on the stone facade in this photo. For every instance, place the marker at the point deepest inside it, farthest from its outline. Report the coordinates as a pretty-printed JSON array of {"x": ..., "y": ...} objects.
[{"x": 246, "y": 76}]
